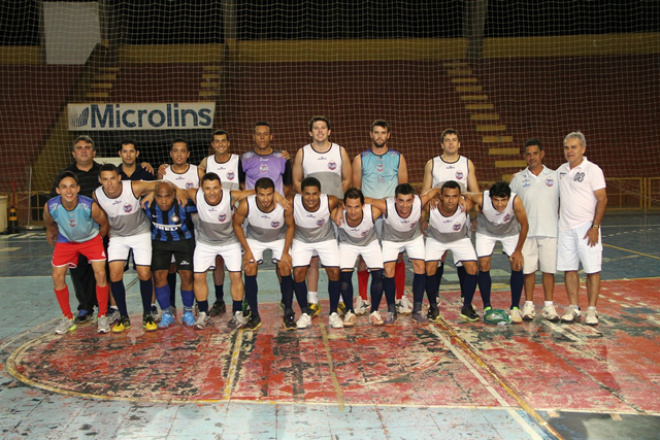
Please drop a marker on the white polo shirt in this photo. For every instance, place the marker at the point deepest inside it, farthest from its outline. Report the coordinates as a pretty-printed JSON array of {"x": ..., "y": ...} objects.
[
  {"x": 576, "y": 189},
  {"x": 540, "y": 196}
]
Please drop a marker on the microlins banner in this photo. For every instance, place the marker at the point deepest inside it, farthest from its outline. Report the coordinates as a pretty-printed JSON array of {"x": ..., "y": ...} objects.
[{"x": 141, "y": 116}]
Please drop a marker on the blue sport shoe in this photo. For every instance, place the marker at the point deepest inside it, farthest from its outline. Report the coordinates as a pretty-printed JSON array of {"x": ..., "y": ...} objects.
[
  {"x": 188, "y": 318},
  {"x": 166, "y": 320}
]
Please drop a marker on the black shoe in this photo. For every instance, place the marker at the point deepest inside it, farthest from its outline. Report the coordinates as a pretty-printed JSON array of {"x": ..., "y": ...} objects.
[
  {"x": 254, "y": 323},
  {"x": 83, "y": 316},
  {"x": 434, "y": 313},
  {"x": 218, "y": 308},
  {"x": 468, "y": 314},
  {"x": 289, "y": 320}
]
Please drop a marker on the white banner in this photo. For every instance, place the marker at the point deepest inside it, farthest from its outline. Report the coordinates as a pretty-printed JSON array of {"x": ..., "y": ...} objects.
[{"x": 141, "y": 116}]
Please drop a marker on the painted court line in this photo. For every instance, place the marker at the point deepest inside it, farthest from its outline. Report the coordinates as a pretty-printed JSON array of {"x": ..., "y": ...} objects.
[
  {"x": 331, "y": 365},
  {"x": 233, "y": 366},
  {"x": 526, "y": 427},
  {"x": 632, "y": 251}
]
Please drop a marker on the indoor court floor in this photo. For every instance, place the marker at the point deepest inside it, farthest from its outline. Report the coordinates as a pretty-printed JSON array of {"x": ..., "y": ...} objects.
[{"x": 448, "y": 380}]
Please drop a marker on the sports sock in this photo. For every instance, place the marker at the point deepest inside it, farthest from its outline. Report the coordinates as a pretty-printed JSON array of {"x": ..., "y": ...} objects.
[
  {"x": 461, "y": 274},
  {"x": 347, "y": 289},
  {"x": 418, "y": 287},
  {"x": 171, "y": 281},
  {"x": 251, "y": 290},
  {"x": 333, "y": 293},
  {"x": 439, "y": 272},
  {"x": 548, "y": 303},
  {"x": 146, "y": 287},
  {"x": 469, "y": 287},
  {"x": 432, "y": 287},
  {"x": 389, "y": 287},
  {"x": 63, "y": 299},
  {"x": 376, "y": 289},
  {"x": 312, "y": 296},
  {"x": 163, "y": 297},
  {"x": 301, "y": 295},
  {"x": 219, "y": 293},
  {"x": 485, "y": 284},
  {"x": 187, "y": 298},
  {"x": 400, "y": 279},
  {"x": 119, "y": 294},
  {"x": 363, "y": 282},
  {"x": 203, "y": 306},
  {"x": 102, "y": 294},
  {"x": 236, "y": 306},
  {"x": 516, "y": 282},
  {"x": 286, "y": 288}
]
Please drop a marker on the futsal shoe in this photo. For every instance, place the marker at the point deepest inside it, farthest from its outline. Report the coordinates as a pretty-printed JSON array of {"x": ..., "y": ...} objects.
[
  {"x": 349, "y": 319},
  {"x": 148, "y": 323},
  {"x": 65, "y": 326},
  {"x": 571, "y": 314},
  {"x": 166, "y": 321},
  {"x": 375, "y": 318},
  {"x": 314, "y": 308},
  {"x": 102, "y": 325},
  {"x": 305, "y": 321},
  {"x": 124, "y": 323}
]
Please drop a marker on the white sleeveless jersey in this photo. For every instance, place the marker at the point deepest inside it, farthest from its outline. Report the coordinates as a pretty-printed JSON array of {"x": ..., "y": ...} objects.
[
  {"x": 187, "y": 180},
  {"x": 456, "y": 171},
  {"x": 214, "y": 225},
  {"x": 360, "y": 235},
  {"x": 497, "y": 224},
  {"x": 228, "y": 171},
  {"x": 264, "y": 226},
  {"x": 314, "y": 226},
  {"x": 398, "y": 229},
  {"x": 448, "y": 229},
  {"x": 125, "y": 215},
  {"x": 324, "y": 166}
]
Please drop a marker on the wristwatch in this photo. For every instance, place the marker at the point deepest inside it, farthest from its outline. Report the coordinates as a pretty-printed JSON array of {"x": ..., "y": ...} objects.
[{"x": 595, "y": 226}]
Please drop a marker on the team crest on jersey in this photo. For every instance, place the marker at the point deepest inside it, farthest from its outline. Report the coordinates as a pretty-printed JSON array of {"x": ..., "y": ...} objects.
[
  {"x": 128, "y": 208},
  {"x": 380, "y": 167},
  {"x": 579, "y": 177},
  {"x": 413, "y": 225},
  {"x": 72, "y": 222},
  {"x": 457, "y": 227},
  {"x": 320, "y": 222},
  {"x": 230, "y": 175},
  {"x": 190, "y": 185},
  {"x": 274, "y": 224},
  {"x": 549, "y": 182},
  {"x": 459, "y": 175},
  {"x": 507, "y": 218},
  {"x": 364, "y": 233},
  {"x": 332, "y": 165},
  {"x": 222, "y": 217},
  {"x": 263, "y": 168}
]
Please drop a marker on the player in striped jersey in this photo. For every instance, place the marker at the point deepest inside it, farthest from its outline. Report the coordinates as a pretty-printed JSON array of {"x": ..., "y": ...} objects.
[{"x": 269, "y": 226}]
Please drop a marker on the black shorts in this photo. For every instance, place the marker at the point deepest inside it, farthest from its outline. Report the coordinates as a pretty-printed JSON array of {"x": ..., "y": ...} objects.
[{"x": 162, "y": 251}]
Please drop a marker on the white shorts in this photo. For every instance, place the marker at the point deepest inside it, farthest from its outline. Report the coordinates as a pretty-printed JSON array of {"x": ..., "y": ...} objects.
[
  {"x": 302, "y": 253},
  {"x": 371, "y": 254},
  {"x": 572, "y": 249},
  {"x": 414, "y": 248},
  {"x": 540, "y": 250},
  {"x": 461, "y": 250},
  {"x": 119, "y": 247},
  {"x": 258, "y": 247},
  {"x": 485, "y": 244},
  {"x": 205, "y": 254}
]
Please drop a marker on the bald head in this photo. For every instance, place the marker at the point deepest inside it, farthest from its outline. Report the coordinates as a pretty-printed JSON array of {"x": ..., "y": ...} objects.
[{"x": 164, "y": 195}]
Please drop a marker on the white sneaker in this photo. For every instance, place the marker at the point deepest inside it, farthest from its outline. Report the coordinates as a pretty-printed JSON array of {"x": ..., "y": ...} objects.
[
  {"x": 375, "y": 318},
  {"x": 362, "y": 307},
  {"x": 404, "y": 306},
  {"x": 592, "y": 316},
  {"x": 305, "y": 321},
  {"x": 550, "y": 313},
  {"x": 103, "y": 326},
  {"x": 335, "y": 320},
  {"x": 515, "y": 315},
  {"x": 528, "y": 312},
  {"x": 571, "y": 314},
  {"x": 65, "y": 326},
  {"x": 349, "y": 319},
  {"x": 202, "y": 321}
]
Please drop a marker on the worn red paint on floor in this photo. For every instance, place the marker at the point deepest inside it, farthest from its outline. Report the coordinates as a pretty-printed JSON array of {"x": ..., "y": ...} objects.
[{"x": 549, "y": 366}]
